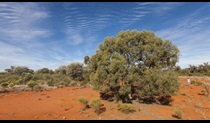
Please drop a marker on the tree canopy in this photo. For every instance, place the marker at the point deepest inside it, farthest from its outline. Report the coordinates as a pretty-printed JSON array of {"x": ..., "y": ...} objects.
[{"x": 123, "y": 60}]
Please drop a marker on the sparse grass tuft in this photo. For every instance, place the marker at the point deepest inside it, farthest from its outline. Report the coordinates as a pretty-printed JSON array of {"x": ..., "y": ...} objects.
[
  {"x": 178, "y": 114},
  {"x": 126, "y": 108},
  {"x": 84, "y": 102},
  {"x": 96, "y": 105}
]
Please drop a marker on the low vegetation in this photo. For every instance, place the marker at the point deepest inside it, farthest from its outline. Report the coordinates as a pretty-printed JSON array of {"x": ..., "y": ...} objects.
[
  {"x": 126, "y": 108},
  {"x": 178, "y": 114},
  {"x": 84, "y": 102},
  {"x": 96, "y": 104}
]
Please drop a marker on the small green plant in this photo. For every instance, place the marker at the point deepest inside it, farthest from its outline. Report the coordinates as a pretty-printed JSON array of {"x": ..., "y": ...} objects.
[
  {"x": 50, "y": 83},
  {"x": 207, "y": 88},
  {"x": 105, "y": 89},
  {"x": 83, "y": 83},
  {"x": 96, "y": 104},
  {"x": 4, "y": 84},
  {"x": 37, "y": 88},
  {"x": 84, "y": 102},
  {"x": 204, "y": 91},
  {"x": 178, "y": 114},
  {"x": 31, "y": 84},
  {"x": 183, "y": 93},
  {"x": 11, "y": 84},
  {"x": 126, "y": 108},
  {"x": 199, "y": 83},
  {"x": 193, "y": 82}
]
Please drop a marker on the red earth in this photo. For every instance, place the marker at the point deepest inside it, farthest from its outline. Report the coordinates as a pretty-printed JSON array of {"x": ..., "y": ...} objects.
[{"x": 63, "y": 104}]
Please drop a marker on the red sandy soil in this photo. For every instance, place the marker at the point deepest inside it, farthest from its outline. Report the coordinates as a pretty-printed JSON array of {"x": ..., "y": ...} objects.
[{"x": 63, "y": 104}]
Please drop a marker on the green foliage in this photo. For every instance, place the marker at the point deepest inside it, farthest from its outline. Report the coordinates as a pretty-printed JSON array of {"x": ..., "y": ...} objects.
[
  {"x": 126, "y": 108},
  {"x": 196, "y": 83},
  {"x": 207, "y": 88},
  {"x": 50, "y": 82},
  {"x": 178, "y": 114},
  {"x": 199, "y": 70},
  {"x": 24, "y": 76},
  {"x": 75, "y": 71},
  {"x": 86, "y": 59},
  {"x": 96, "y": 105},
  {"x": 44, "y": 71},
  {"x": 19, "y": 70},
  {"x": 126, "y": 57},
  {"x": 156, "y": 82},
  {"x": 203, "y": 91},
  {"x": 61, "y": 70},
  {"x": 36, "y": 88},
  {"x": 105, "y": 89},
  {"x": 84, "y": 102},
  {"x": 4, "y": 84},
  {"x": 199, "y": 83},
  {"x": 31, "y": 83}
]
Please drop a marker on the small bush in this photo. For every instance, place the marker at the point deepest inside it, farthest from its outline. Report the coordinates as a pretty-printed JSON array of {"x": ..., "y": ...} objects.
[
  {"x": 199, "y": 83},
  {"x": 84, "y": 102},
  {"x": 73, "y": 83},
  {"x": 31, "y": 83},
  {"x": 37, "y": 88},
  {"x": 4, "y": 84},
  {"x": 183, "y": 93},
  {"x": 96, "y": 105},
  {"x": 204, "y": 91},
  {"x": 193, "y": 82},
  {"x": 126, "y": 108},
  {"x": 178, "y": 114},
  {"x": 11, "y": 84},
  {"x": 207, "y": 88},
  {"x": 50, "y": 83},
  {"x": 105, "y": 89},
  {"x": 196, "y": 83},
  {"x": 83, "y": 83}
]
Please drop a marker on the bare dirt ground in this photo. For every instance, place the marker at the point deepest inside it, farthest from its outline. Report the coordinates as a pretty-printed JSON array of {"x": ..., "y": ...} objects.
[{"x": 63, "y": 104}]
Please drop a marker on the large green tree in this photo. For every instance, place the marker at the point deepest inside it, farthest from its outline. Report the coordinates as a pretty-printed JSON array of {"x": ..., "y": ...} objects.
[
  {"x": 75, "y": 70},
  {"x": 123, "y": 60}
]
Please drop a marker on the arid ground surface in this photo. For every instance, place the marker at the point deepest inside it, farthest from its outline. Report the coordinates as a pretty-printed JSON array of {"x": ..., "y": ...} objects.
[{"x": 63, "y": 104}]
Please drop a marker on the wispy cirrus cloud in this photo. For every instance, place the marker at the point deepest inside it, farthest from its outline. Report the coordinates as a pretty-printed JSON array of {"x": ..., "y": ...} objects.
[
  {"x": 191, "y": 34},
  {"x": 21, "y": 29},
  {"x": 94, "y": 17},
  {"x": 20, "y": 21}
]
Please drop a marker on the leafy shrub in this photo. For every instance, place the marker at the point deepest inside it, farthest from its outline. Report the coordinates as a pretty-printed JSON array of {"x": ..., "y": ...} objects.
[
  {"x": 178, "y": 114},
  {"x": 199, "y": 83},
  {"x": 158, "y": 83},
  {"x": 204, "y": 91},
  {"x": 126, "y": 108},
  {"x": 183, "y": 93},
  {"x": 37, "y": 88},
  {"x": 96, "y": 105},
  {"x": 105, "y": 89},
  {"x": 207, "y": 88},
  {"x": 4, "y": 84},
  {"x": 11, "y": 84},
  {"x": 31, "y": 83},
  {"x": 84, "y": 102},
  {"x": 50, "y": 83}
]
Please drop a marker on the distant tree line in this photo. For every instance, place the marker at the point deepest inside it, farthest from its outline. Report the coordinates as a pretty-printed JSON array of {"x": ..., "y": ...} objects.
[
  {"x": 193, "y": 70},
  {"x": 69, "y": 75}
]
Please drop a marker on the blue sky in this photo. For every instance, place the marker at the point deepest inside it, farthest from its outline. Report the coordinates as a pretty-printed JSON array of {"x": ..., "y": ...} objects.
[{"x": 39, "y": 35}]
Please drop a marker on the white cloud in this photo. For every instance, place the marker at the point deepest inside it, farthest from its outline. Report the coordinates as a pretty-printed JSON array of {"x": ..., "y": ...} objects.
[
  {"x": 20, "y": 21},
  {"x": 191, "y": 34}
]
